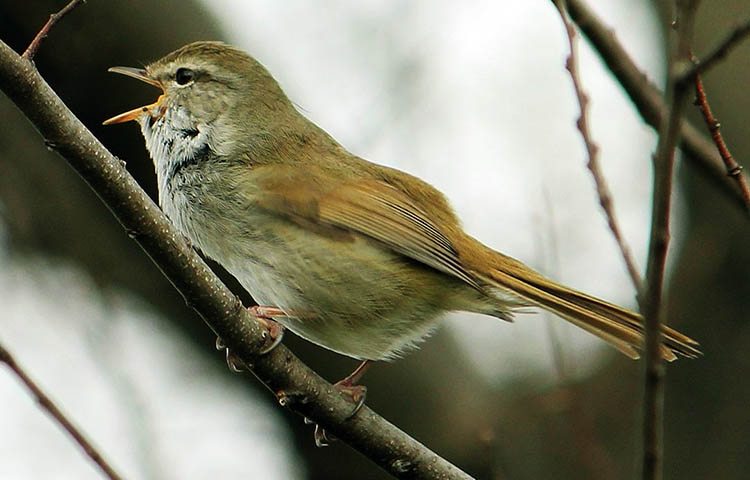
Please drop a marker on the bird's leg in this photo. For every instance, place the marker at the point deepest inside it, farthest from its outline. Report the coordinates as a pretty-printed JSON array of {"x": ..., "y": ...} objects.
[
  {"x": 347, "y": 386},
  {"x": 275, "y": 332}
]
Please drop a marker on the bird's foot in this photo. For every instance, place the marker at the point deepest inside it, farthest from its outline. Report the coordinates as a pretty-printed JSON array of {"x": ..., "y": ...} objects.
[
  {"x": 275, "y": 331},
  {"x": 273, "y": 335},
  {"x": 358, "y": 393}
]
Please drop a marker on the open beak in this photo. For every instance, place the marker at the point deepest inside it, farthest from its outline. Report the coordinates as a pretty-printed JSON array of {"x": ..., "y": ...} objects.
[{"x": 156, "y": 109}]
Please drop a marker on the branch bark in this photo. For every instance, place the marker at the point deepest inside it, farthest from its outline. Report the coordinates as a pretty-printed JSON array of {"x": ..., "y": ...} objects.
[{"x": 294, "y": 384}]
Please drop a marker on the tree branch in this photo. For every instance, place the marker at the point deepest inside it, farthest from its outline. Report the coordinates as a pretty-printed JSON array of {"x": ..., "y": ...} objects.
[
  {"x": 649, "y": 100},
  {"x": 739, "y": 33},
  {"x": 734, "y": 170},
  {"x": 46, "y": 403},
  {"x": 53, "y": 19},
  {"x": 294, "y": 384},
  {"x": 602, "y": 190},
  {"x": 651, "y": 298}
]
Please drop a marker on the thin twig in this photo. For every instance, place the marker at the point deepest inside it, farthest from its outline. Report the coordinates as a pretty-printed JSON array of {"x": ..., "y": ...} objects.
[
  {"x": 295, "y": 385},
  {"x": 734, "y": 170},
  {"x": 46, "y": 403},
  {"x": 651, "y": 298},
  {"x": 735, "y": 37},
  {"x": 605, "y": 197},
  {"x": 53, "y": 19},
  {"x": 649, "y": 99}
]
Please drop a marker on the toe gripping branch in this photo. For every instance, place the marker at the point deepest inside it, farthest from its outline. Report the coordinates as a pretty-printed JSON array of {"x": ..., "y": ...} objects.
[
  {"x": 275, "y": 331},
  {"x": 348, "y": 387},
  {"x": 272, "y": 336}
]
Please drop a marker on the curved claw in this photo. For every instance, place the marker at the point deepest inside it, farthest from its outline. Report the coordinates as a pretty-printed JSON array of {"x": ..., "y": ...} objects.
[
  {"x": 321, "y": 438},
  {"x": 235, "y": 364},
  {"x": 272, "y": 338},
  {"x": 275, "y": 335},
  {"x": 275, "y": 330},
  {"x": 358, "y": 393}
]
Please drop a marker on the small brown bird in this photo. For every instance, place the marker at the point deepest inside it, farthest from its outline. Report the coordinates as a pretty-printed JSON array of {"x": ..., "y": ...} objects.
[{"x": 359, "y": 258}]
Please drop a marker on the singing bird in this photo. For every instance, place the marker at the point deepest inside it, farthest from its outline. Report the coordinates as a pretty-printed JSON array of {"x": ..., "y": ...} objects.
[{"x": 354, "y": 256}]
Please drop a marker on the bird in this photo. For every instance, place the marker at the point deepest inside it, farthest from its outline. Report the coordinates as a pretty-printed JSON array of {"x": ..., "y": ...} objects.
[{"x": 359, "y": 258}]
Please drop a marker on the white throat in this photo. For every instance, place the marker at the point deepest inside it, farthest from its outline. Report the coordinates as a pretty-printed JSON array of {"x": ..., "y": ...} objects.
[{"x": 174, "y": 141}]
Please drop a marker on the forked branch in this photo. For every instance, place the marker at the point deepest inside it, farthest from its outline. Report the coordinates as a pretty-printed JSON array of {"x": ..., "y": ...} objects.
[{"x": 649, "y": 100}]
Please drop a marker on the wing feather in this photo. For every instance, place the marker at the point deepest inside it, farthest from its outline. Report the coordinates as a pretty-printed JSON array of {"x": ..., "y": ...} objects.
[
  {"x": 380, "y": 211},
  {"x": 370, "y": 207}
]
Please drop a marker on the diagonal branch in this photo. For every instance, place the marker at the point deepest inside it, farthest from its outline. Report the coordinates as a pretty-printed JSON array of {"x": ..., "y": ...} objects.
[
  {"x": 734, "y": 170},
  {"x": 737, "y": 35},
  {"x": 605, "y": 198},
  {"x": 294, "y": 384},
  {"x": 649, "y": 99},
  {"x": 46, "y": 403},
  {"x": 53, "y": 19}
]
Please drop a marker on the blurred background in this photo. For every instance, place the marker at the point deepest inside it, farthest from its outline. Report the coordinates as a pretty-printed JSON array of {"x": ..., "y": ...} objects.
[{"x": 472, "y": 97}]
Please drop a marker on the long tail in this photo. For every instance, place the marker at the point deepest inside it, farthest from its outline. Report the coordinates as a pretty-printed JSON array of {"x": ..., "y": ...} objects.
[{"x": 617, "y": 326}]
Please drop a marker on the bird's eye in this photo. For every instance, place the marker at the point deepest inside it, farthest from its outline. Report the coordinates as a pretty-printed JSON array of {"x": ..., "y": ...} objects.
[{"x": 183, "y": 76}]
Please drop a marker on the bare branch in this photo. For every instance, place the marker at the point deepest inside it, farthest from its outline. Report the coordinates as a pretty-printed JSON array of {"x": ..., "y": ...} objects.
[
  {"x": 605, "y": 198},
  {"x": 53, "y": 19},
  {"x": 46, "y": 403},
  {"x": 651, "y": 298},
  {"x": 648, "y": 99},
  {"x": 294, "y": 384},
  {"x": 734, "y": 170},
  {"x": 735, "y": 37}
]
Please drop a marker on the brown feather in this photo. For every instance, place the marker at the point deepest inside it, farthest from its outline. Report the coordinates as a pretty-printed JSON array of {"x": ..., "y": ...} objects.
[
  {"x": 369, "y": 207},
  {"x": 620, "y": 327},
  {"x": 402, "y": 220}
]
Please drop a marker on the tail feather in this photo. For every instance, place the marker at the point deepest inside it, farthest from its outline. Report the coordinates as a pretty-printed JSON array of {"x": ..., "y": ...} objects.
[{"x": 621, "y": 328}]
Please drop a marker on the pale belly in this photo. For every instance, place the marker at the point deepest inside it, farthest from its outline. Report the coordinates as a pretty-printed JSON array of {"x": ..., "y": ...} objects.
[{"x": 352, "y": 296}]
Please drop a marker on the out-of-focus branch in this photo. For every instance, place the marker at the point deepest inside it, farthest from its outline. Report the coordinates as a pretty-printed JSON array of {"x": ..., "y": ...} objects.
[
  {"x": 737, "y": 35},
  {"x": 648, "y": 98},
  {"x": 46, "y": 403},
  {"x": 53, "y": 19},
  {"x": 651, "y": 298},
  {"x": 605, "y": 198},
  {"x": 294, "y": 384}
]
